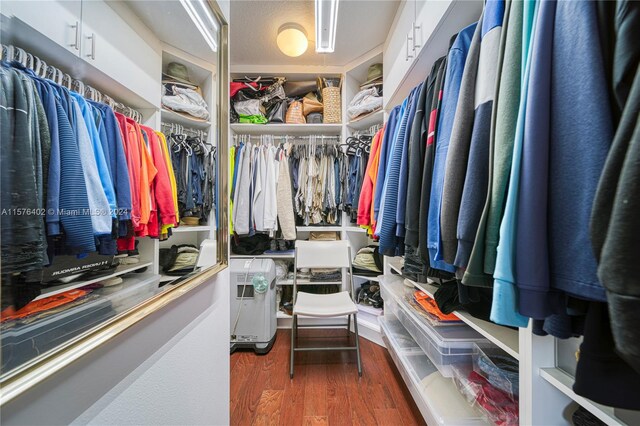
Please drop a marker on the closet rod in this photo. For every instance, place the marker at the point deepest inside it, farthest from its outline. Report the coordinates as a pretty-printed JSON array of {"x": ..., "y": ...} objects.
[
  {"x": 11, "y": 53},
  {"x": 319, "y": 138},
  {"x": 180, "y": 129}
]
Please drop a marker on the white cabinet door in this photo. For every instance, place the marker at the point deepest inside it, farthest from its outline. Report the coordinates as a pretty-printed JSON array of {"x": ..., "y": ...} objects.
[
  {"x": 59, "y": 20},
  {"x": 398, "y": 54},
  {"x": 110, "y": 44}
]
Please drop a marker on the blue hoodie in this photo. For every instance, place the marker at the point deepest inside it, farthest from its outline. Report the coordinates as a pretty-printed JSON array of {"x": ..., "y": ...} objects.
[{"x": 455, "y": 66}]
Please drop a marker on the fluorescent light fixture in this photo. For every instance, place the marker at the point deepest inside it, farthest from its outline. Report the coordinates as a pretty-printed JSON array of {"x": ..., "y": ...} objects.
[
  {"x": 203, "y": 18},
  {"x": 292, "y": 40},
  {"x": 326, "y": 23}
]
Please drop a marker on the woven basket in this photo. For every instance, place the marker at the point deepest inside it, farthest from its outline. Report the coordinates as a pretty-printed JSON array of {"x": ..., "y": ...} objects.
[{"x": 332, "y": 101}]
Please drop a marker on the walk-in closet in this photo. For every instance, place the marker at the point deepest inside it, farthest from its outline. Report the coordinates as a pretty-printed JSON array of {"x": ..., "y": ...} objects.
[{"x": 319, "y": 212}]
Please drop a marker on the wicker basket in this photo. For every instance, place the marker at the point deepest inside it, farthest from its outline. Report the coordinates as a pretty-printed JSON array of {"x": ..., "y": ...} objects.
[{"x": 332, "y": 101}]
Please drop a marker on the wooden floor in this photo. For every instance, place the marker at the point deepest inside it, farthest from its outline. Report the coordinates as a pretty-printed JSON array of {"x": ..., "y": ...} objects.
[{"x": 325, "y": 390}]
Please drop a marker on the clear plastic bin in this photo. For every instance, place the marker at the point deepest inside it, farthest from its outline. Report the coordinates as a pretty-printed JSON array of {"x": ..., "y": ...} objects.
[
  {"x": 398, "y": 336},
  {"x": 392, "y": 290},
  {"x": 436, "y": 396},
  {"x": 135, "y": 289},
  {"x": 445, "y": 346},
  {"x": 498, "y": 367},
  {"x": 495, "y": 406}
]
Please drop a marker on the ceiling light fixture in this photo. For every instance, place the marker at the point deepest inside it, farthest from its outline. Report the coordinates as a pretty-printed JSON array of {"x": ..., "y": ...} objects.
[
  {"x": 292, "y": 40},
  {"x": 203, "y": 18},
  {"x": 326, "y": 23}
]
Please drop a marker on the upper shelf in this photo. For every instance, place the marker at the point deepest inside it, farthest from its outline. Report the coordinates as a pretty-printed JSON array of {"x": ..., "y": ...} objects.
[
  {"x": 168, "y": 116},
  {"x": 287, "y": 129},
  {"x": 363, "y": 123}
]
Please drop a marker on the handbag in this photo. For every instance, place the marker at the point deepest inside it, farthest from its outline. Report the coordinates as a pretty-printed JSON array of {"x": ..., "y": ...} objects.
[
  {"x": 277, "y": 111},
  {"x": 300, "y": 88},
  {"x": 314, "y": 118},
  {"x": 249, "y": 107},
  {"x": 311, "y": 104},
  {"x": 294, "y": 113}
]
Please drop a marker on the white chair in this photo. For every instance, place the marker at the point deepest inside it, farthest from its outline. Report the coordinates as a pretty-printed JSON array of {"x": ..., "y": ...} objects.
[{"x": 324, "y": 254}]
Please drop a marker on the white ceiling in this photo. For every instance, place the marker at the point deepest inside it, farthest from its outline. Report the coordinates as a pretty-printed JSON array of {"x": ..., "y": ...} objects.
[
  {"x": 362, "y": 26},
  {"x": 172, "y": 25}
]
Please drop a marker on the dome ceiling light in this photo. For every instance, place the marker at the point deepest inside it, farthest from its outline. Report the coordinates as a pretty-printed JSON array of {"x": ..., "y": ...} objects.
[{"x": 292, "y": 40}]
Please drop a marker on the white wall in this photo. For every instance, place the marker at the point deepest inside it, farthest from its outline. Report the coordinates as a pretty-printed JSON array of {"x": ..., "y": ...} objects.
[{"x": 172, "y": 368}]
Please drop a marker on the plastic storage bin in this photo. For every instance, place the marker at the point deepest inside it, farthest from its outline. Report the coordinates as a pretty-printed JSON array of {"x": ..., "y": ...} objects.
[
  {"x": 436, "y": 396},
  {"x": 392, "y": 289},
  {"x": 135, "y": 289},
  {"x": 398, "y": 336},
  {"x": 498, "y": 367},
  {"x": 445, "y": 346},
  {"x": 22, "y": 343},
  {"x": 495, "y": 406}
]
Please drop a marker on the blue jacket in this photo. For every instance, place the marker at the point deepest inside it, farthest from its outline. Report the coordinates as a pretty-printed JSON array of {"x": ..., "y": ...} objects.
[
  {"x": 455, "y": 66},
  {"x": 388, "y": 151},
  {"x": 388, "y": 241}
]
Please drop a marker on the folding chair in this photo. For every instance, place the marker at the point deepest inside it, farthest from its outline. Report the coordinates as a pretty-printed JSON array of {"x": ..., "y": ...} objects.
[{"x": 324, "y": 254}]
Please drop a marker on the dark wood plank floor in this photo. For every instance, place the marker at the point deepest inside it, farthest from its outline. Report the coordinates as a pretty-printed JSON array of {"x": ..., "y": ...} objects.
[{"x": 325, "y": 390}]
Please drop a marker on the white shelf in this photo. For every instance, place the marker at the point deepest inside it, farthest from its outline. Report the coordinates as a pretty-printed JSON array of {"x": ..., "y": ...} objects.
[
  {"x": 366, "y": 121},
  {"x": 395, "y": 263},
  {"x": 372, "y": 325},
  {"x": 282, "y": 315},
  {"x": 120, "y": 270},
  {"x": 319, "y": 228},
  {"x": 287, "y": 129},
  {"x": 262, "y": 256},
  {"x": 167, "y": 278},
  {"x": 366, "y": 277},
  {"x": 168, "y": 116},
  {"x": 355, "y": 229},
  {"x": 308, "y": 282},
  {"x": 185, "y": 228},
  {"x": 564, "y": 383}
]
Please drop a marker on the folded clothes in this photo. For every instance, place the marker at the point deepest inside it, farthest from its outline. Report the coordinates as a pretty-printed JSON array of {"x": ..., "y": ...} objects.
[{"x": 326, "y": 277}]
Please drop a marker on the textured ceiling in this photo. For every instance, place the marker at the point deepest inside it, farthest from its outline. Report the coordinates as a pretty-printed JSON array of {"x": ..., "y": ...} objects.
[{"x": 362, "y": 25}]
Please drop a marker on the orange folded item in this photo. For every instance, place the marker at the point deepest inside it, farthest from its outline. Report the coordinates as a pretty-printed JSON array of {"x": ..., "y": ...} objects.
[
  {"x": 41, "y": 305},
  {"x": 429, "y": 304}
]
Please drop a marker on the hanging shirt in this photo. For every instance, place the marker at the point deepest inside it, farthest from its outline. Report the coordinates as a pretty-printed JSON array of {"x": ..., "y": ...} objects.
[
  {"x": 172, "y": 179},
  {"x": 365, "y": 205},
  {"x": 132, "y": 156}
]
